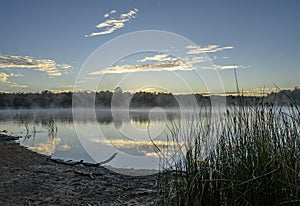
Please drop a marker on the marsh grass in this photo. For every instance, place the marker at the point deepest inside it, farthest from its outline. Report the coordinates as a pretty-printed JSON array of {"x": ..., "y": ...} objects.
[
  {"x": 250, "y": 157},
  {"x": 52, "y": 128}
]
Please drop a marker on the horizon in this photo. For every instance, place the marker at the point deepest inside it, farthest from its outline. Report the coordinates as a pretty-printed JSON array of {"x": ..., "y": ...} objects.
[{"x": 255, "y": 93}]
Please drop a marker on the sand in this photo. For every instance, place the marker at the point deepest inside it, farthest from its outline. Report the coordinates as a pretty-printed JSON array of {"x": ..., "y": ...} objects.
[{"x": 28, "y": 178}]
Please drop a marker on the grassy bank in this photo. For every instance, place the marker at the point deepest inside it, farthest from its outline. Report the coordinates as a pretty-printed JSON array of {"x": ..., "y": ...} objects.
[{"x": 250, "y": 157}]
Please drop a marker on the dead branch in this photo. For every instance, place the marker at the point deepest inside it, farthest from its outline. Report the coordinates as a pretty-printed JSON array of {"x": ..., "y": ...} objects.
[
  {"x": 87, "y": 164},
  {"x": 91, "y": 175}
]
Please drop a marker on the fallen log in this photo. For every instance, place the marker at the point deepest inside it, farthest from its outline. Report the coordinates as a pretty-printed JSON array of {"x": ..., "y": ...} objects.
[
  {"x": 87, "y": 164},
  {"x": 91, "y": 175}
]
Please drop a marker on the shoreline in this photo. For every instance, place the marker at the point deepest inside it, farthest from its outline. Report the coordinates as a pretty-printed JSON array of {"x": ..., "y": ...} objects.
[{"x": 29, "y": 178}]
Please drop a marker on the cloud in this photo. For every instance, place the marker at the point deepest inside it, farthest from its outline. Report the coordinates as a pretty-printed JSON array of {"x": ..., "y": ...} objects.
[
  {"x": 15, "y": 75},
  {"x": 3, "y": 77},
  {"x": 196, "y": 59},
  {"x": 225, "y": 67},
  {"x": 63, "y": 66},
  {"x": 196, "y": 50},
  {"x": 111, "y": 25},
  {"x": 177, "y": 65},
  {"x": 165, "y": 58},
  {"x": 192, "y": 57},
  {"x": 158, "y": 57},
  {"x": 165, "y": 62},
  {"x": 109, "y": 13},
  {"x": 159, "y": 66},
  {"x": 208, "y": 49},
  {"x": 13, "y": 84},
  {"x": 25, "y": 62}
]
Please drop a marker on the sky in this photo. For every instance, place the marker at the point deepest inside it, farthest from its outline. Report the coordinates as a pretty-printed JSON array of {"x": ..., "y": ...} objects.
[{"x": 47, "y": 45}]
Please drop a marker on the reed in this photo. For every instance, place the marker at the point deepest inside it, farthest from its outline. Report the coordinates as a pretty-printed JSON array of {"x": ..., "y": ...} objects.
[
  {"x": 52, "y": 128},
  {"x": 251, "y": 157}
]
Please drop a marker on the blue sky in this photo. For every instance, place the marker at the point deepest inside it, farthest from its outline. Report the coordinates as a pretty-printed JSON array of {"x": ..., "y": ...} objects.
[{"x": 43, "y": 44}]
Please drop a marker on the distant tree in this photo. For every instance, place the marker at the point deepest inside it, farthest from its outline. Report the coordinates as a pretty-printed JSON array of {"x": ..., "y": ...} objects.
[
  {"x": 103, "y": 99},
  {"x": 118, "y": 90}
]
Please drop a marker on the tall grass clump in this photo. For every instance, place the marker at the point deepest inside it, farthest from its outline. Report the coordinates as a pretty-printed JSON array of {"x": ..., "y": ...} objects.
[{"x": 249, "y": 157}]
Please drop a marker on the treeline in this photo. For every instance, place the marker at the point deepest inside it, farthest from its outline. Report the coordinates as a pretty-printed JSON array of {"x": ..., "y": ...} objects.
[
  {"x": 44, "y": 99},
  {"x": 104, "y": 99}
]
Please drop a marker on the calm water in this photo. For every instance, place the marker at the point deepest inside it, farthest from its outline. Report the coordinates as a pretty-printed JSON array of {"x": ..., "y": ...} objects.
[
  {"x": 89, "y": 137},
  {"x": 95, "y": 136}
]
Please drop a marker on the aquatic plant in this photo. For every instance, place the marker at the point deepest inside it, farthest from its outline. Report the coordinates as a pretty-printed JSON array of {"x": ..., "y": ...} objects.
[{"x": 254, "y": 159}]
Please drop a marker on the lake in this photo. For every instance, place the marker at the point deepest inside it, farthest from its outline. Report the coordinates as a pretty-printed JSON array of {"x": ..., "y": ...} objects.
[
  {"x": 139, "y": 137},
  {"x": 92, "y": 136}
]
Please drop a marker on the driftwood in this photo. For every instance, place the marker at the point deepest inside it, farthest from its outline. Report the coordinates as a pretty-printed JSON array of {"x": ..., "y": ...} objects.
[
  {"x": 91, "y": 175},
  {"x": 87, "y": 164}
]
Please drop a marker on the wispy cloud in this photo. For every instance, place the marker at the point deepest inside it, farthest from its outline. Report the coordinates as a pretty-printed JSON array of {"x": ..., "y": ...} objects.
[
  {"x": 63, "y": 66},
  {"x": 16, "y": 75},
  {"x": 158, "y": 66},
  {"x": 158, "y": 57},
  {"x": 225, "y": 67},
  {"x": 166, "y": 62},
  {"x": 221, "y": 67},
  {"x": 196, "y": 59},
  {"x": 3, "y": 77},
  {"x": 194, "y": 56},
  {"x": 111, "y": 25},
  {"x": 109, "y": 13},
  {"x": 208, "y": 49},
  {"x": 14, "y": 84},
  {"x": 25, "y": 62},
  {"x": 4, "y": 80},
  {"x": 176, "y": 65}
]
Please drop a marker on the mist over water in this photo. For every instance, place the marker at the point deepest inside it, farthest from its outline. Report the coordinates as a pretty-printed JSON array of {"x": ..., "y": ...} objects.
[
  {"x": 52, "y": 132},
  {"x": 130, "y": 134}
]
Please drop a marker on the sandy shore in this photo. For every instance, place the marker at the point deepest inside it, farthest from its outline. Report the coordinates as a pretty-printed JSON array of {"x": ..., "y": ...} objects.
[{"x": 28, "y": 178}]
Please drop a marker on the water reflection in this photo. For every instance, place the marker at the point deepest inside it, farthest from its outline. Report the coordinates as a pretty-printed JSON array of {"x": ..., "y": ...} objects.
[
  {"x": 51, "y": 132},
  {"x": 46, "y": 148}
]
